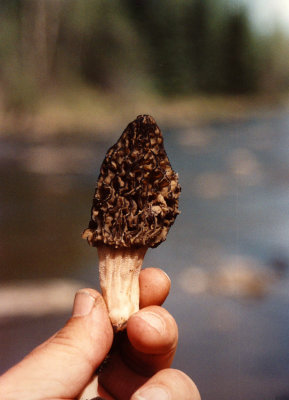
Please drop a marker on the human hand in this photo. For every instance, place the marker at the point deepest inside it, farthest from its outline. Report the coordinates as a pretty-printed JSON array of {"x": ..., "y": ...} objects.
[{"x": 137, "y": 369}]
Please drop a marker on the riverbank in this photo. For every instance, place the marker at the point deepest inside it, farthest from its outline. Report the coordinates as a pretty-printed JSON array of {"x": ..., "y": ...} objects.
[
  {"x": 73, "y": 112},
  {"x": 227, "y": 254}
]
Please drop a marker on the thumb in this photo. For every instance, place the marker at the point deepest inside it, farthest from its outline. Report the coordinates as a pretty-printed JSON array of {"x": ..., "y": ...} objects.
[{"x": 63, "y": 365}]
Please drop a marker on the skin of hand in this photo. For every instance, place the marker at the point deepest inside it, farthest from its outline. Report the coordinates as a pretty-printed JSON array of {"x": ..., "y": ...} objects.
[{"x": 138, "y": 368}]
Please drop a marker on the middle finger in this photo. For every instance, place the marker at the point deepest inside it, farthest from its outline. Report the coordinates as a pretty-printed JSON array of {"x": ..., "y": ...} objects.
[{"x": 152, "y": 340}]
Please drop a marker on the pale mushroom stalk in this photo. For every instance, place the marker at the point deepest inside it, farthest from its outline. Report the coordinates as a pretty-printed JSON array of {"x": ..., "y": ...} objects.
[
  {"x": 134, "y": 206},
  {"x": 119, "y": 281}
]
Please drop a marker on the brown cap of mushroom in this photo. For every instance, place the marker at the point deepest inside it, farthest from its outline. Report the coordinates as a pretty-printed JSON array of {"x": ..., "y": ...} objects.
[{"x": 136, "y": 198}]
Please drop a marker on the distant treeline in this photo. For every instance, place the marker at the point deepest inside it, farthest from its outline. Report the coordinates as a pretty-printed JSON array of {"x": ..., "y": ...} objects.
[{"x": 164, "y": 46}]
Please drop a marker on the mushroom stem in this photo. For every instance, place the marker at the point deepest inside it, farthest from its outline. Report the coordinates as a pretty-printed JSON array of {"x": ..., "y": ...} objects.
[{"x": 119, "y": 270}]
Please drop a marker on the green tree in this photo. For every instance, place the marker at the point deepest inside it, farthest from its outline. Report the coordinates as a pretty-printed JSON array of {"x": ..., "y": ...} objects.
[{"x": 238, "y": 58}]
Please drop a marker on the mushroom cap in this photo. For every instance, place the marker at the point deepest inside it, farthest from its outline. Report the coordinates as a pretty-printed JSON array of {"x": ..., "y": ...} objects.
[{"x": 136, "y": 197}]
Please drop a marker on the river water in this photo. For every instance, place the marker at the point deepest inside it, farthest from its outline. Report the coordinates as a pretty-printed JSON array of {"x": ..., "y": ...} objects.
[{"x": 227, "y": 253}]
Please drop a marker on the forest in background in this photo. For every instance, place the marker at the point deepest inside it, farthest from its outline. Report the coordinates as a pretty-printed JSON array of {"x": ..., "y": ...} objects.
[{"x": 167, "y": 48}]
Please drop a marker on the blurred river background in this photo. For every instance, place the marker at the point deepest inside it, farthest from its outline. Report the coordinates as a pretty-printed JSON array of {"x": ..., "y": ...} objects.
[{"x": 73, "y": 75}]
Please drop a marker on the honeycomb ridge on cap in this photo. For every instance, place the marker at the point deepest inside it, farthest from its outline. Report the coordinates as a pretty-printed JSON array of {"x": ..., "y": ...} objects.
[{"x": 136, "y": 197}]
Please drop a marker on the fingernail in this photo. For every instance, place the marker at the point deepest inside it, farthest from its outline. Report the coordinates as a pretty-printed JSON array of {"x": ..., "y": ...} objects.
[
  {"x": 83, "y": 304},
  {"x": 154, "y": 320},
  {"x": 152, "y": 393}
]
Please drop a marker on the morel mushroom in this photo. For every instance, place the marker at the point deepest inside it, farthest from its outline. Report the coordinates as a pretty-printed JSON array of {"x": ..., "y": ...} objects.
[{"x": 134, "y": 206}]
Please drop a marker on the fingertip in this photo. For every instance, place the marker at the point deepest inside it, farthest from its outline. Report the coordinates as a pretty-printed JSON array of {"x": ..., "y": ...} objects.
[
  {"x": 187, "y": 383},
  {"x": 90, "y": 321},
  {"x": 153, "y": 330},
  {"x": 170, "y": 384},
  {"x": 155, "y": 286},
  {"x": 84, "y": 301},
  {"x": 90, "y": 324}
]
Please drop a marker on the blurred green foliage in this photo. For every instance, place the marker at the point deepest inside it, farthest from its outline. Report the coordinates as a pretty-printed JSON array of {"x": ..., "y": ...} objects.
[{"x": 166, "y": 47}]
